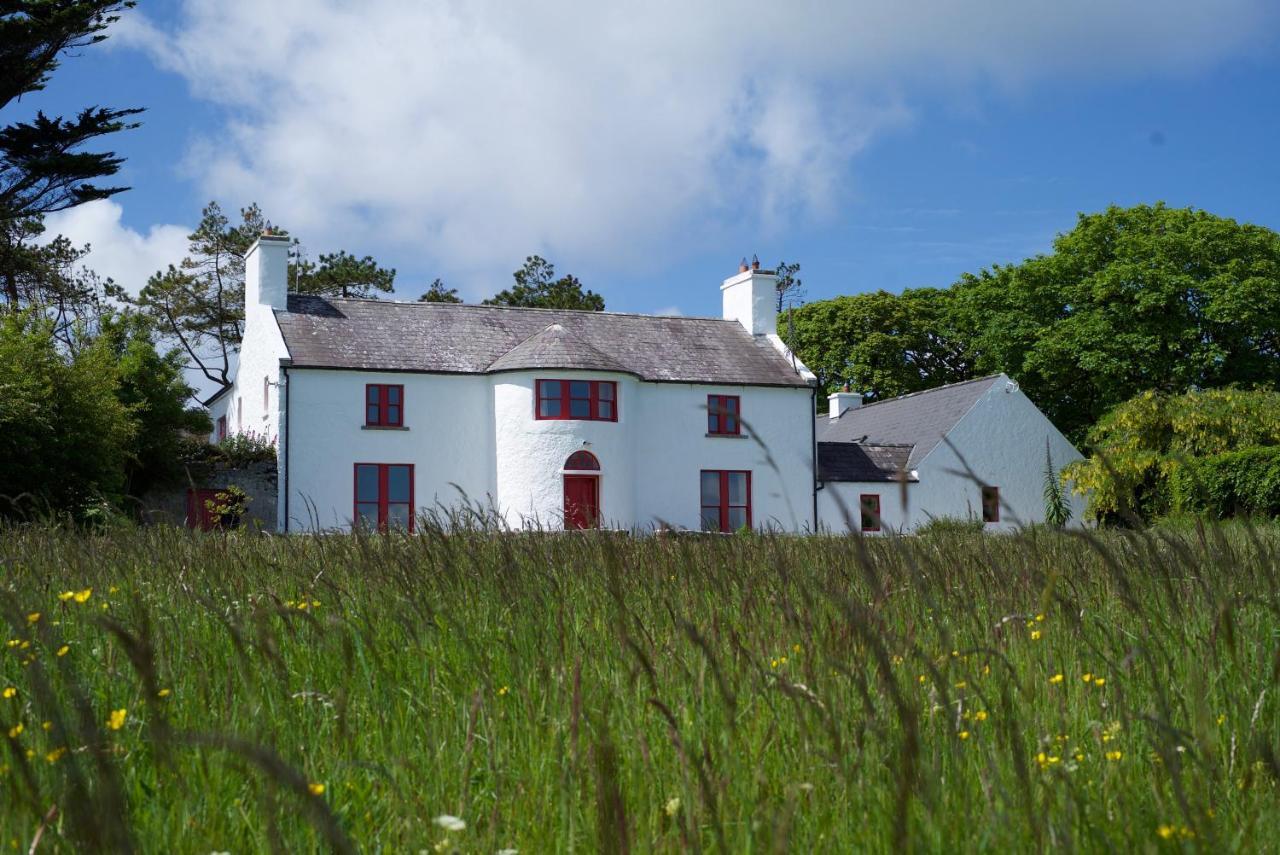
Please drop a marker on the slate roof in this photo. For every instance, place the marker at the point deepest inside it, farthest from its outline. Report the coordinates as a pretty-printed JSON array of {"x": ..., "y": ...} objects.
[
  {"x": 851, "y": 461},
  {"x": 919, "y": 420},
  {"x": 452, "y": 338}
]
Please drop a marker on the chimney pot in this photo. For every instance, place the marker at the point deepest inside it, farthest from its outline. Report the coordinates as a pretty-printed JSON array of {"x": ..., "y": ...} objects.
[
  {"x": 742, "y": 267},
  {"x": 755, "y": 262}
]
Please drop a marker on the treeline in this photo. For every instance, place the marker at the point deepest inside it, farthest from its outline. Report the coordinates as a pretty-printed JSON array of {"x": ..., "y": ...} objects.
[{"x": 1131, "y": 300}]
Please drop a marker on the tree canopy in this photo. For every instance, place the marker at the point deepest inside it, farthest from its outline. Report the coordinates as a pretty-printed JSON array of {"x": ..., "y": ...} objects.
[
  {"x": 41, "y": 167},
  {"x": 1131, "y": 299},
  {"x": 536, "y": 286},
  {"x": 437, "y": 293}
]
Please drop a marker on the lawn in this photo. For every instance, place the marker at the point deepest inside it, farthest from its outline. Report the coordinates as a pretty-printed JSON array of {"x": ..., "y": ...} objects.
[{"x": 174, "y": 691}]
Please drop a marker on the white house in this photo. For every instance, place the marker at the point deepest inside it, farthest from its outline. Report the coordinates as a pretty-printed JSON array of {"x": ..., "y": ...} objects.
[
  {"x": 971, "y": 450},
  {"x": 384, "y": 410}
]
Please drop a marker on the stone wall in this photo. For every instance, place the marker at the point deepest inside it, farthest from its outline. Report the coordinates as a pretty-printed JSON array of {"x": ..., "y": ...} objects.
[{"x": 258, "y": 480}]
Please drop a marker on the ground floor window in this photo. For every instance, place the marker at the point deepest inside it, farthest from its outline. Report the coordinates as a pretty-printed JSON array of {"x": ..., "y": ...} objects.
[
  {"x": 726, "y": 500},
  {"x": 384, "y": 495},
  {"x": 869, "y": 506},
  {"x": 991, "y": 504}
]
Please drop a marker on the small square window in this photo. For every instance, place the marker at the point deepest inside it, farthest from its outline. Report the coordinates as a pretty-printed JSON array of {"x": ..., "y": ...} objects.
[
  {"x": 384, "y": 405},
  {"x": 722, "y": 415},
  {"x": 869, "y": 511}
]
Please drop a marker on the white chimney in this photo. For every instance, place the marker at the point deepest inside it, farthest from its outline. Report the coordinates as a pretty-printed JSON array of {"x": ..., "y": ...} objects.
[
  {"x": 841, "y": 401},
  {"x": 266, "y": 274},
  {"x": 751, "y": 299}
]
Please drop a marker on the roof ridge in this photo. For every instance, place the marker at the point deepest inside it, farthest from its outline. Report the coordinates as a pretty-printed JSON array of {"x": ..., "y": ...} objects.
[
  {"x": 920, "y": 392},
  {"x": 453, "y": 306}
]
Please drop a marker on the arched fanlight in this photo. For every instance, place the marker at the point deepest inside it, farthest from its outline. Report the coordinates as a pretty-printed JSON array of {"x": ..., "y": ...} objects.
[{"x": 582, "y": 460}]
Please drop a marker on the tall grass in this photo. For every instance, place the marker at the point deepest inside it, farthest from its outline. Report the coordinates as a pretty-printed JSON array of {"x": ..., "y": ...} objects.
[{"x": 600, "y": 692}]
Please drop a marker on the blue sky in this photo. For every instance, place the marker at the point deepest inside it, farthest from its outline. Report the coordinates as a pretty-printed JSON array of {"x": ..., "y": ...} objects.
[{"x": 647, "y": 157}]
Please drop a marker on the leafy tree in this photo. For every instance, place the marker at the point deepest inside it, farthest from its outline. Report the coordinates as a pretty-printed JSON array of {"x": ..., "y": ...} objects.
[
  {"x": 1057, "y": 510},
  {"x": 41, "y": 168},
  {"x": 341, "y": 275},
  {"x": 437, "y": 293},
  {"x": 1140, "y": 447},
  {"x": 199, "y": 303},
  {"x": 790, "y": 288},
  {"x": 537, "y": 287},
  {"x": 881, "y": 344},
  {"x": 1132, "y": 299},
  {"x": 152, "y": 386},
  {"x": 48, "y": 278},
  {"x": 64, "y": 432}
]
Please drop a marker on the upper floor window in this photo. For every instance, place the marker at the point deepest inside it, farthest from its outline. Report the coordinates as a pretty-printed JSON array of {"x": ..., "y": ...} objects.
[
  {"x": 222, "y": 428},
  {"x": 991, "y": 504},
  {"x": 586, "y": 400},
  {"x": 869, "y": 508},
  {"x": 726, "y": 500},
  {"x": 722, "y": 415},
  {"x": 383, "y": 405}
]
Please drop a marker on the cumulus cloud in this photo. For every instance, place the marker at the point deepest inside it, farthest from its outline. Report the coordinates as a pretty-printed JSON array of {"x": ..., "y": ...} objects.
[
  {"x": 117, "y": 251},
  {"x": 474, "y": 133}
]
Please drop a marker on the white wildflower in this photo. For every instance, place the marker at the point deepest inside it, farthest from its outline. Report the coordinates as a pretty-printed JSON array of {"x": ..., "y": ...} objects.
[{"x": 450, "y": 823}]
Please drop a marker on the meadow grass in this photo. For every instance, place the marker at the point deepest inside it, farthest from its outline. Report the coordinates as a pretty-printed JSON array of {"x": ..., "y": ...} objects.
[{"x": 179, "y": 691}]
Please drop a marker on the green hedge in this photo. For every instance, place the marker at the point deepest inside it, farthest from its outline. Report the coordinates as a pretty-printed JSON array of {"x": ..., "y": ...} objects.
[{"x": 1245, "y": 482}]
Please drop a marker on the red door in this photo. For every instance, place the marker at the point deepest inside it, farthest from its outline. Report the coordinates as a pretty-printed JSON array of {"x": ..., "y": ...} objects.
[
  {"x": 198, "y": 515},
  {"x": 581, "y": 501}
]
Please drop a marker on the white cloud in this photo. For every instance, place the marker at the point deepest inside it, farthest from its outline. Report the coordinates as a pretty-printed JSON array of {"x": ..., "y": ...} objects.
[
  {"x": 669, "y": 312},
  {"x": 117, "y": 251},
  {"x": 474, "y": 133}
]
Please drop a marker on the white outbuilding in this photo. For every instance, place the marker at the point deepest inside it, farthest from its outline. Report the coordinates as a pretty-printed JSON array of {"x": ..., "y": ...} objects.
[{"x": 976, "y": 450}]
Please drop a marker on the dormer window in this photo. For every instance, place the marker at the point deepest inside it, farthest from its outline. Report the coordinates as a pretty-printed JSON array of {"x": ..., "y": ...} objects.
[
  {"x": 383, "y": 405},
  {"x": 579, "y": 400},
  {"x": 722, "y": 415}
]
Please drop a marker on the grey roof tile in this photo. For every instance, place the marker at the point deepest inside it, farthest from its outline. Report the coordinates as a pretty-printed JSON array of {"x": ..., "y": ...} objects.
[
  {"x": 381, "y": 335},
  {"x": 920, "y": 419},
  {"x": 851, "y": 461}
]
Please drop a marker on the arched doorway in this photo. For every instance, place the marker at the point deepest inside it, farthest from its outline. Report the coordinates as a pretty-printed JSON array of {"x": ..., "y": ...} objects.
[{"x": 581, "y": 490}]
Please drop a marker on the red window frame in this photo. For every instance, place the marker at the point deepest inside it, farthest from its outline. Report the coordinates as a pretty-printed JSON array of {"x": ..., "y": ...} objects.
[
  {"x": 869, "y": 511},
  {"x": 724, "y": 415},
  {"x": 378, "y": 405},
  {"x": 990, "y": 504},
  {"x": 383, "y": 502},
  {"x": 724, "y": 506},
  {"x": 222, "y": 428},
  {"x": 600, "y": 407}
]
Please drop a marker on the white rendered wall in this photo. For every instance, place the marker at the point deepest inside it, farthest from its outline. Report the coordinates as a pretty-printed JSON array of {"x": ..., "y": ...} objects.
[
  {"x": 672, "y": 447},
  {"x": 839, "y": 505},
  {"x": 449, "y": 440},
  {"x": 530, "y": 454},
  {"x": 1002, "y": 440}
]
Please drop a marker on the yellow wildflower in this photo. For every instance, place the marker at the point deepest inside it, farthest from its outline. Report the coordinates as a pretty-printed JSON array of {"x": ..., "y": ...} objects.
[
  {"x": 922, "y": 678},
  {"x": 503, "y": 691},
  {"x": 964, "y": 734},
  {"x": 986, "y": 669},
  {"x": 33, "y": 617},
  {"x": 66, "y": 595},
  {"x": 1099, "y": 681},
  {"x": 55, "y": 755},
  {"x": 795, "y": 648},
  {"x": 113, "y": 589},
  {"x": 1087, "y": 677},
  {"x": 46, "y": 725},
  {"x": 83, "y": 596},
  {"x": 15, "y": 731},
  {"x": 64, "y": 649},
  {"x": 1114, "y": 755},
  {"x": 773, "y": 663},
  {"x": 980, "y": 715},
  {"x": 163, "y": 693},
  {"x": 1166, "y": 832},
  {"x": 1055, "y": 679},
  {"x": 962, "y": 684},
  {"x": 673, "y": 806},
  {"x": 116, "y": 721},
  {"x": 9, "y": 692},
  {"x": 1035, "y": 635},
  {"x": 1079, "y": 756},
  {"x": 1221, "y": 718},
  {"x": 782, "y": 660},
  {"x": 316, "y": 789},
  {"x": 1039, "y": 618}
]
